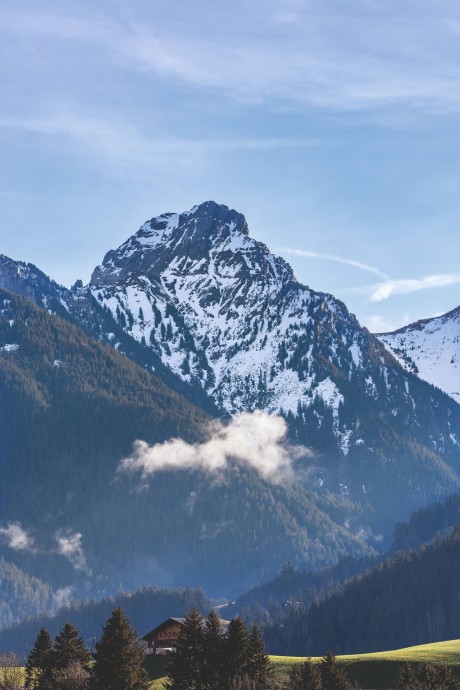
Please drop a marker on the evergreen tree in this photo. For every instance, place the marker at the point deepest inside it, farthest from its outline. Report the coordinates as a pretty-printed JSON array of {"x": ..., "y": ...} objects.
[
  {"x": 213, "y": 649},
  {"x": 406, "y": 678},
  {"x": 118, "y": 657},
  {"x": 186, "y": 666},
  {"x": 333, "y": 677},
  {"x": 306, "y": 676},
  {"x": 38, "y": 662},
  {"x": 258, "y": 664},
  {"x": 236, "y": 650},
  {"x": 69, "y": 648}
]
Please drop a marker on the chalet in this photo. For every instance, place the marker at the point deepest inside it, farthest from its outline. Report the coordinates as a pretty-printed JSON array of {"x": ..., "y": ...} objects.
[{"x": 163, "y": 638}]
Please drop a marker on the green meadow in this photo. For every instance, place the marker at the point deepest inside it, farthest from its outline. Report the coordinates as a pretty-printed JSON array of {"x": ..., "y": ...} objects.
[{"x": 376, "y": 671}]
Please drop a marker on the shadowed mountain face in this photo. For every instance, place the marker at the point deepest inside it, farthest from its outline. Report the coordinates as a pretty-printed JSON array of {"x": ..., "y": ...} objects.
[
  {"x": 225, "y": 323},
  {"x": 70, "y": 411}
]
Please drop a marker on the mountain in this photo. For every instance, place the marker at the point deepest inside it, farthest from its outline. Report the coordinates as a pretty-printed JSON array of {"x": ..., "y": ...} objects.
[
  {"x": 407, "y": 600},
  {"x": 431, "y": 349},
  {"x": 70, "y": 410},
  {"x": 223, "y": 322},
  {"x": 228, "y": 317}
]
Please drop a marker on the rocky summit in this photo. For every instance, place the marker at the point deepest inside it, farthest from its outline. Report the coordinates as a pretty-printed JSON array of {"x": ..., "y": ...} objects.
[{"x": 195, "y": 298}]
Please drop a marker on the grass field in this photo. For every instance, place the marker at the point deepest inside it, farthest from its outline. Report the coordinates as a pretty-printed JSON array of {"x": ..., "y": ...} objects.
[
  {"x": 378, "y": 671},
  {"x": 375, "y": 671}
]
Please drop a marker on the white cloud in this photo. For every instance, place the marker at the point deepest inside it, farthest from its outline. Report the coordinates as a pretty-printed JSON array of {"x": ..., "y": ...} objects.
[
  {"x": 125, "y": 147},
  {"x": 69, "y": 545},
  {"x": 254, "y": 439},
  {"x": 405, "y": 286},
  {"x": 333, "y": 257},
  {"x": 305, "y": 53},
  {"x": 16, "y": 537}
]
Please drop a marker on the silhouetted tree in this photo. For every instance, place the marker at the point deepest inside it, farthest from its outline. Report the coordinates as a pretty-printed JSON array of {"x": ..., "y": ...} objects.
[
  {"x": 39, "y": 662},
  {"x": 186, "y": 666},
  {"x": 333, "y": 676},
  {"x": 118, "y": 657}
]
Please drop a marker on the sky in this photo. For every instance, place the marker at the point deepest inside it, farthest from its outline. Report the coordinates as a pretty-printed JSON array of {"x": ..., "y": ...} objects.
[{"x": 333, "y": 126}]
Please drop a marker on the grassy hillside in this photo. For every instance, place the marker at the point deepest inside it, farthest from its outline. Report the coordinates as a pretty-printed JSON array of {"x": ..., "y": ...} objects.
[
  {"x": 379, "y": 670},
  {"x": 376, "y": 671}
]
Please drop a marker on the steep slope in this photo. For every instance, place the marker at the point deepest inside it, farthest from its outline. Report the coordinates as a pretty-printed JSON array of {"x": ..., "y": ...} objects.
[
  {"x": 22, "y": 595},
  {"x": 431, "y": 349},
  {"x": 78, "y": 306},
  {"x": 226, "y": 315},
  {"x": 222, "y": 320},
  {"x": 412, "y": 599},
  {"x": 70, "y": 409}
]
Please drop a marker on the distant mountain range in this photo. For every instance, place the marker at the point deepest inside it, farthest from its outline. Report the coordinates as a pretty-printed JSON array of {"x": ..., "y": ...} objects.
[
  {"x": 215, "y": 325},
  {"x": 431, "y": 349}
]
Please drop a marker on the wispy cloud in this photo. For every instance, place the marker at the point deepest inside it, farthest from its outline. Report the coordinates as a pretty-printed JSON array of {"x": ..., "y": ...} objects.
[
  {"x": 124, "y": 146},
  {"x": 405, "y": 286},
  {"x": 333, "y": 257},
  {"x": 69, "y": 545},
  {"x": 254, "y": 439},
  {"x": 331, "y": 58},
  {"x": 16, "y": 537}
]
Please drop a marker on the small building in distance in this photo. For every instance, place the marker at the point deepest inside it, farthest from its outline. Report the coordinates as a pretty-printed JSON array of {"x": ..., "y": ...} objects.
[{"x": 163, "y": 638}]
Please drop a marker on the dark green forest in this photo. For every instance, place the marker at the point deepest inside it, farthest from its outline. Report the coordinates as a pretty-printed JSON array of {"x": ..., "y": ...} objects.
[
  {"x": 146, "y": 608},
  {"x": 412, "y": 598},
  {"x": 70, "y": 410}
]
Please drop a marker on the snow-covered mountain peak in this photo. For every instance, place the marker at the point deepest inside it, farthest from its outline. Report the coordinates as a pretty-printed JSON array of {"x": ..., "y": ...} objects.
[
  {"x": 210, "y": 239},
  {"x": 431, "y": 349}
]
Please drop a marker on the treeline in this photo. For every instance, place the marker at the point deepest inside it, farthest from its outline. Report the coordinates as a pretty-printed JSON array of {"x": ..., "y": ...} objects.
[
  {"x": 146, "y": 608},
  {"x": 423, "y": 524},
  {"x": 209, "y": 656},
  {"x": 22, "y": 595},
  {"x": 70, "y": 410},
  {"x": 65, "y": 665},
  {"x": 294, "y": 587},
  {"x": 411, "y": 599}
]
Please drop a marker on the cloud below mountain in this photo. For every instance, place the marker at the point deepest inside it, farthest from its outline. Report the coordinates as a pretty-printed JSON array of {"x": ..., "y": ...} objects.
[
  {"x": 16, "y": 537},
  {"x": 255, "y": 439},
  {"x": 69, "y": 545}
]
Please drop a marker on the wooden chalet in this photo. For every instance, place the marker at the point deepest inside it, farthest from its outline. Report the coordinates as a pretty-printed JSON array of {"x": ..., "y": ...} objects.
[{"x": 163, "y": 638}]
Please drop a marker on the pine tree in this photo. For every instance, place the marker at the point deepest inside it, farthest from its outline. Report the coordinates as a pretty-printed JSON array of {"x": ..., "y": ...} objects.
[
  {"x": 69, "y": 648},
  {"x": 118, "y": 657},
  {"x": 186, "y": 666},
  {"x": 333, "y": 677},
  {"x": 38, "y": 662},
  {"x": 306, "y": 676},
  {"x": 213, "y": 648},
  {"x": 236, "y": 650},
  {"x": 406, "y": 678},
  {"x": 258, "y": 663}
]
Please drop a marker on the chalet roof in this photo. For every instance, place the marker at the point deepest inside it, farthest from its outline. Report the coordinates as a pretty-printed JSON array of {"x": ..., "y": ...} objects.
[{"x": 148, "y": 636}]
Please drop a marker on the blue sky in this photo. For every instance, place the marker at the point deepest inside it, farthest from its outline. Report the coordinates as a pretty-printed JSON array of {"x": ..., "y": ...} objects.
[{"x": 333, "y": 126}]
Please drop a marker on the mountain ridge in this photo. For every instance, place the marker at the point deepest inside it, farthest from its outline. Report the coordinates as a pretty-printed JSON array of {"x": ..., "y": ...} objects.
[
  {"x": 431, "y": 349},
  {"x": 193, "y": 297}
]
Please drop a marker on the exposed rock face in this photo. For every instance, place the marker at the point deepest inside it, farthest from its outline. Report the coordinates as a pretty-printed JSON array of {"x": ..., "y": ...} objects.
[{"x": 220, "y": 318}]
